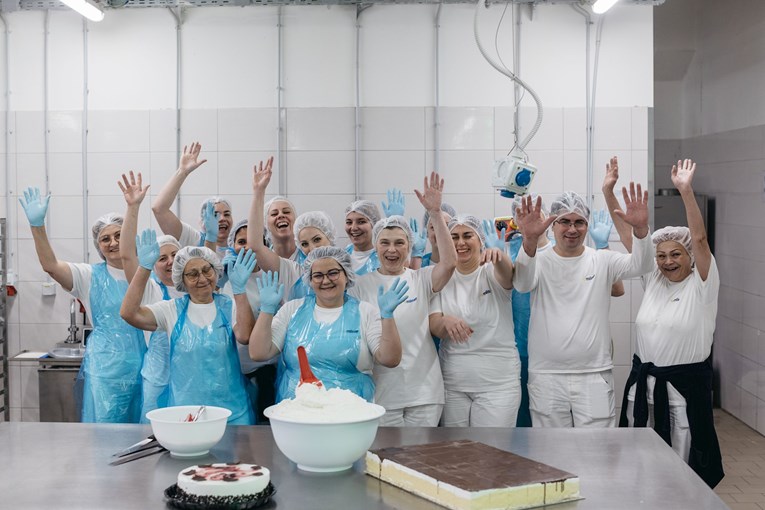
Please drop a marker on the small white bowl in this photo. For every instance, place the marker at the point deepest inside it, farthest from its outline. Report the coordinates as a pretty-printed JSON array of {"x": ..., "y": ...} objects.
[
  {"x": 324, "y": 447},
  {"x": 188, "y": 439}
]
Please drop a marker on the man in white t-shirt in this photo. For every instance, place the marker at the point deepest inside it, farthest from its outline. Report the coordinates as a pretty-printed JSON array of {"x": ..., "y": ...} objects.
[{"x": 570, "y": 365}]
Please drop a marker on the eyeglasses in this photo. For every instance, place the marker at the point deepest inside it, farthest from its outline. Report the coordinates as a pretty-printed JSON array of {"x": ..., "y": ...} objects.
[
  {"x": 332, "y": 274},
  {"x": 194, "y": 275},
  {"x": 566, "y": 223}
]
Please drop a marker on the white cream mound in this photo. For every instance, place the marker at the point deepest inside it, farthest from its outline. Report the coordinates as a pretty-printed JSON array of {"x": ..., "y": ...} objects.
[
  {"x": 224, "y": 480},
  {"x": 314, "y": 404}
]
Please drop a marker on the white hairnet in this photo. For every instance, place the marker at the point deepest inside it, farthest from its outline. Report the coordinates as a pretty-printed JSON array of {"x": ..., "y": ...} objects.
[
  {"x": 472, "y": 223},
  {"x": 365, "y": 208},
  {"x": 315, "y": 219},
  {"x": 101, "y": 223},
  {"x": 329, "y": 252},
  {"x": 568, "y": 203},
  {"x": 517, "y": 204},
  {"x": 183, "y": 257},
  {"x": 448, "y": 209},
  {"x": 239, "y": 226},
  {"x": 680, "y": 235},
  {"x": 168, "y": 239},
  {"x": 393, "y": 222},
  {"x": 213, "y": 201},
  {"x": 267, "y": 208}
]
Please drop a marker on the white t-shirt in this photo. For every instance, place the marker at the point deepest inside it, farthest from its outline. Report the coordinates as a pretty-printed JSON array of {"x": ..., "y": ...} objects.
[
  {"x": 417, "y": 379},
  {"x": 371, "y": 328},
  {"x": 358, "y": 259},
  {"x": 489, "y": 358},
  {"x": 676, "y": 323},
  {"x": 200, "y": 314},
  {"x": 570, "y": 299},
  {"x": 193, "y": 237}
]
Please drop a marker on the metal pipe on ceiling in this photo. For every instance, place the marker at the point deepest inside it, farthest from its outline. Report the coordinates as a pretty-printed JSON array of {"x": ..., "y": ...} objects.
[{"x": 85, "y": 192}]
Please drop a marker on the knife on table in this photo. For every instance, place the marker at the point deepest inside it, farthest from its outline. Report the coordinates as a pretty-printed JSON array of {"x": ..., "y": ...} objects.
[
  {"x": 138, "y": 455},
  {"x": 140, "y": 445}
]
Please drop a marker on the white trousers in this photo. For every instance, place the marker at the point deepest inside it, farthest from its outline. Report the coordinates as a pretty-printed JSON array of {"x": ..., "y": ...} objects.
[
  {"x": 497, "y": 408},
  {"x": 679, "y": 431},
  {"x": 572, "y": 400},
  {"x": 427, "y": 415}
]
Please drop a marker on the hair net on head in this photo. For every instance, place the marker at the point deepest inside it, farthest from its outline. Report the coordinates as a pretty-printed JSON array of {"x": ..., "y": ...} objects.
[
  {"x": 213, "y": 200},
  {"x": 570, "y": 203},
  {"x": 680, "y": 235},
  {"x": 100, "y": 224},
  {"x": 239, "y": 225},
  {"x": 277, "y": 198},
  {"x": 329, "y": 252},
  {"x": 315, "y": 219},
  {"x": 448, "y": 209},
  {"x": 393, "y": 222},
  {"x": 183, "y": 257},
  {"x": 365, "y": 208},
  {"x": 471, "y": 222},
  {"x": 167, "y": 239},
  {"x": 517, "y": 204}
]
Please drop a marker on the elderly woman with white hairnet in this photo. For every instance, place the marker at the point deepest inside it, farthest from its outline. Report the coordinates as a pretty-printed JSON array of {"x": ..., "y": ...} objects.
[
  {"x": 203, "y": 326},
  {"x": 110, "y": 371},
  {"x": 413, "y": 392},
  {"x": 360, "y": 217},
  {"x": 342, "y": 336},
  {"x": 472, "y": 316},
  {"x": 311, "y": 230},
  {"x": 215, "y": 214},
  {"x": 670, "y": 385}
]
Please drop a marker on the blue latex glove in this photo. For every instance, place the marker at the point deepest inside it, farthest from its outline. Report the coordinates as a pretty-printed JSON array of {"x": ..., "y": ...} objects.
[
  {"x": 210, "y": 218},
  {"x": 240, "y": 272},
  {"x": 271, "y": 292},
  {"x": 420, "y": 239},
  {"x": 600, "y": 228},
  {"x": 148, "y": 248},
  {"x": 35, "y": 207},
  {"x": 389, "y": 301},
  {"x": 228, "y": 263},
  {"x": 395, "y": 205},
  {"x": 492, "y": 241}
]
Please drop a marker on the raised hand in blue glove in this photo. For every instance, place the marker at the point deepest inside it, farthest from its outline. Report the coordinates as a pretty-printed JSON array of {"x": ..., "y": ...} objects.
[
  {"x": 240, "y": 272},
  {"x": 35, "y": 207},
  {"x": 210, "y": 218},
  {"x": 420, "y": 238},
  {"x": 492, "y": 241},
  {"x": 147, "y": 247},
  {"x": 600, "y": 228},
  {"x": 395, "y": 206},
  {"x": 271, "y": 292},
  {"x": 389, "y": 301}
]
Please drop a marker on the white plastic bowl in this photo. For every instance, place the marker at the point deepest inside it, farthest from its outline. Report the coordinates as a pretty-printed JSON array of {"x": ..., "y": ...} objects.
[
  {"x": 188, "y": 439},
  {"x": 324, "y": 447}
]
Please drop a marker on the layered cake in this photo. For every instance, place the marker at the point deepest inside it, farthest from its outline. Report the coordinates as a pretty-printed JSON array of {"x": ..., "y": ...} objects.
[
  {"x": 218, "y": 485},
  {"x": 471, "y": 476}
]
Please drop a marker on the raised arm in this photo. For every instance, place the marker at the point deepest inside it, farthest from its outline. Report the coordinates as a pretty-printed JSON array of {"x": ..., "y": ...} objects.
[
  {"x": 261, "y": 346},
  {"x": 134, "y": 192},
  {"x": 682, "y": 178},
  {"x": 238, "y": 276},
  {"x": 167, "y": 220},
  {"x": 261, "y": 176},
  {"x": 503, "y": 266},
  {"x": 609, "y": 182},
  {"x": 131, "y": 310},
  {"x": 430, "y": 198},
  {"x": 35, "y": 209}
]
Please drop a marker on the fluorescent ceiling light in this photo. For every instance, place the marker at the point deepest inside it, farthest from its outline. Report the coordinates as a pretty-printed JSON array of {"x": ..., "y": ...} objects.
[
  {"x": 601, "y": 6},
  {"x": 86, "y": 9}
]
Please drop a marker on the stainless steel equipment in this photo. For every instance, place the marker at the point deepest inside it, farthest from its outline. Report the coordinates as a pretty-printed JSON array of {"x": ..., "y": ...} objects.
[{"x": 57, "y": 387}]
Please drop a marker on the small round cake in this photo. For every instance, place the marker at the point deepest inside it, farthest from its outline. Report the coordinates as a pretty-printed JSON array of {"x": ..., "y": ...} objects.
[{"x": 221, "y": 484}]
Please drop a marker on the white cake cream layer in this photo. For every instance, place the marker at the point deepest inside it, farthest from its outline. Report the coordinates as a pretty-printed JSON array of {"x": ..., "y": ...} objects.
[
  {"x": 508, "y": 497},
  {"x": 235, "y": 479},
  {"x": 314, "y": 404}
]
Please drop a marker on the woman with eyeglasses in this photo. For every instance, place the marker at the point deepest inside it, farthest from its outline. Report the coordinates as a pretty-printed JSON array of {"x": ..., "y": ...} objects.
[
  {"x": 203, "y": 326},
  {"x": 343, "y": 336},
  {"x": 413, "y": 392}
]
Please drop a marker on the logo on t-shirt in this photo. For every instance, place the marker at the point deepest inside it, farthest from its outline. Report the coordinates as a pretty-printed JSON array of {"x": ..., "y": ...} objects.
[
  {"x": 411, "y": 300},
  {"x": 487, "y": 291},
  {"x": 589, "y": 277},
  {"x": 676, "y": 299}
]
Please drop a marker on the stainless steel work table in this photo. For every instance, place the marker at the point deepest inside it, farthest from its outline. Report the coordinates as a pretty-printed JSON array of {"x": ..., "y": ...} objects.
[{"x": 65, "y": 466}]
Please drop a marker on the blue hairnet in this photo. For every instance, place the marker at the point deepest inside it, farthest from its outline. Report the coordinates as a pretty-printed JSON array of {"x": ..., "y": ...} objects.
[
  {"x": 366, "y": 208},
  {"x": 472, "y": 223},
  {"x": 329, "y": 252},
  {"x": 316, "y": 219},
  {"x": 183, "y": 257},
  {"x": 103, "y": 222}
]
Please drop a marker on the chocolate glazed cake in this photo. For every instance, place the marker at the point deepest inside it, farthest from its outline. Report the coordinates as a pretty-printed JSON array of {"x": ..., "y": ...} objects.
[{"x": 471, "y": 476}]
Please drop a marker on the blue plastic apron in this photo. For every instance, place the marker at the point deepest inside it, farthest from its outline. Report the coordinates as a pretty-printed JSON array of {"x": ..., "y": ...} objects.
[
  {"x": 156, "y": 366},
  {"x": 521, "y": 303},
  {"x": 111, "y": 369},
  {"x": 371, "y": 264},
  {"x": 204, "y": 364},
  {"x": 332, "y": 349}
]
